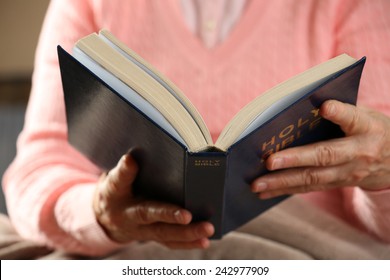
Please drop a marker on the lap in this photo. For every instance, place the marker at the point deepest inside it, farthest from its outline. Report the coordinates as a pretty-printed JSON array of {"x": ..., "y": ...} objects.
[{"x": 292, "y": 230}]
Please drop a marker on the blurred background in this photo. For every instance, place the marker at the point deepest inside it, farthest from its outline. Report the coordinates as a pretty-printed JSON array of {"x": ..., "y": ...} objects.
[{"x": 20, "y": 24}]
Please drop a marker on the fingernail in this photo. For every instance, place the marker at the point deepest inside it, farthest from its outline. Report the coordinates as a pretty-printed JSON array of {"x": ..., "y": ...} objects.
[
  {"x": 178, "y": 216},
  {"x": 126, "y": 159},
  {"x": 210, "y": 229},
  {"x": 181, "y": 217},
  {"x": 259, "y": 187},
  {"x": 331, "y": 109},
  {"x": 277, "y": 163}
]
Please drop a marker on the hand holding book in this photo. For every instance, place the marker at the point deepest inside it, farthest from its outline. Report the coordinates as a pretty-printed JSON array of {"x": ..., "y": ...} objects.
[
  {"x": 314, "y": 167},
  {"x": 111, "y": 90},
  {"x": 125, "y": 217},
  {"x": 360, "y": 159}
]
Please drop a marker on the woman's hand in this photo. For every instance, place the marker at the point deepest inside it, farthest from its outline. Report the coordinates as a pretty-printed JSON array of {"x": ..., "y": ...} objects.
[
  {"x": 362, "y": 158},
  {"x": 125, "y": 217}
]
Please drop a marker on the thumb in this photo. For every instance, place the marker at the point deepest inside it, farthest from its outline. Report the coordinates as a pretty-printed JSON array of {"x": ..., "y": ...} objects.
[
  {"x": 347, "y": 116},
  {"x": 120, "y": 179}
]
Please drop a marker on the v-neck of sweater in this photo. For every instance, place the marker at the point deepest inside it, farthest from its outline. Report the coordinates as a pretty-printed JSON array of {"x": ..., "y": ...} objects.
[{"x": 193, "y": 48}]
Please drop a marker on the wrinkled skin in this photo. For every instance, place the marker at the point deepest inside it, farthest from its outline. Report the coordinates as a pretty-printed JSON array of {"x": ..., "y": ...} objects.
[
  {"x": 362, "y": 158},
  {"x": 125, "y": 217}
]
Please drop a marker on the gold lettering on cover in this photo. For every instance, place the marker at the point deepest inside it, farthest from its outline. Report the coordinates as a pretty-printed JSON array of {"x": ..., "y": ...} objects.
[
  {"x": 270, "y": 143},
  {"x": 302, "y": 122},
  {"x": 286, "y": 131},
  {"x": 266, "y": 154},
  {"x": 290, "y": 133},
  {"x": 207, "y": 163},
  {"x": 288, "y": 141},
  {"x": 270, "y": 151},
  {"x": 315, "y": 123},
  {"x": 315, "y": 112}
]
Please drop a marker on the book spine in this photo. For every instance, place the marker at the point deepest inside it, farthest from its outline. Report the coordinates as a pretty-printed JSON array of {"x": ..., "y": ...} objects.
[{"x": 204, "y": 188}]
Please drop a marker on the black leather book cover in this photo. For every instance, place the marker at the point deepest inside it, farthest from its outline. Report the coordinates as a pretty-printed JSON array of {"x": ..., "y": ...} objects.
[
  {"x": 213, "y": 185},
  {"x": 103, "y": 127},
  {"x": 297, "y": 125}
]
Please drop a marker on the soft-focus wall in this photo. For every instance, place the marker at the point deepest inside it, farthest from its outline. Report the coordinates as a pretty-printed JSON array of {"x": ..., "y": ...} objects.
[{"x": 20, "y": 23}]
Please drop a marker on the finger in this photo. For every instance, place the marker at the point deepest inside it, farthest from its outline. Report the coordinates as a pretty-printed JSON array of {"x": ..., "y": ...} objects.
[
  {"x": 176, "y": 233},
  {"x": 295, "y": 190},
  {"x": 326, "y": 153},
  {"x": 197, "y": 244},
  {"x": 308, "y": 178},
  {"x": 348, "y": 117},
  {"x": 121, "y": 177},
  {"x": 149, "y": 212}
]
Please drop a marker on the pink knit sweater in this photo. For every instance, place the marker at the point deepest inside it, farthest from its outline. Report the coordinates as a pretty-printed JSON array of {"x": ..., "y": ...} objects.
[{"x": 49, "y": 186}]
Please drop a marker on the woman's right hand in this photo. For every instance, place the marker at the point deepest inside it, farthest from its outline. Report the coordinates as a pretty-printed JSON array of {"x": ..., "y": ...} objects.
[{"x": 125, "y": 217}]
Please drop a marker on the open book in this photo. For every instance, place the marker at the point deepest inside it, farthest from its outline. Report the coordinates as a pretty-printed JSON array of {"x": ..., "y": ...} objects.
[{"x": 116, "y": 101}]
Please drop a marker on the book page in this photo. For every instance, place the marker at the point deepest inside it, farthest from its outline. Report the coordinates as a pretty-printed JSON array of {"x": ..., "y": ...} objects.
[
  {"x": 278, "y": 107},
  {"x": 146, "y": 86},
  {"x": 245, "y": 117},
  {"x": 127, "y": 93},
  {"x": 111, "y": 40}
]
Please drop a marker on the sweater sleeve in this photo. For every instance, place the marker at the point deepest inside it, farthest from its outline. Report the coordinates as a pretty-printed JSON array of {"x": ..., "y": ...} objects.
[
  {"x": 363, "y": 29},
  {"x": 49, "y": 186}
]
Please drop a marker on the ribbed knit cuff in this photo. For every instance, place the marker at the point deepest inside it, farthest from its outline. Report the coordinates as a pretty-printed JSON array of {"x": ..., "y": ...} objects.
[{"x": 75, "y": 215}]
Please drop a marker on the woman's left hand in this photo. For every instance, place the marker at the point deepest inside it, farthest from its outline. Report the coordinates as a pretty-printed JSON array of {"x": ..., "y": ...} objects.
[{"x": 361, "y": 158}]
